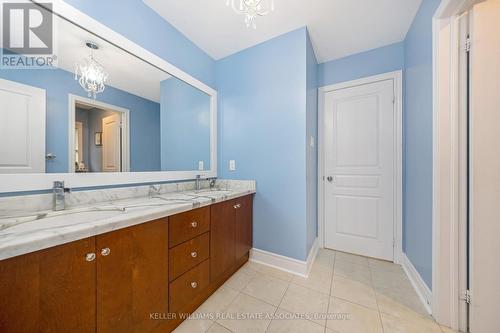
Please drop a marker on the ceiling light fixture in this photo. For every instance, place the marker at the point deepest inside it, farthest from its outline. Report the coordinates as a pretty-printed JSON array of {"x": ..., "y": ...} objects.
[
  {"x": 92, "y": 74},
  {"x": 252, "y": 9}
]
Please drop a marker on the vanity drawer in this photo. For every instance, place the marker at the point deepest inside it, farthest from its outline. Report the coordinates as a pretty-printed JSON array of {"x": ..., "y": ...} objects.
[
  {"x": 183, "y": 290},
  {"x": 187, "y": 225},
  {"x": 185, "y": 256}
]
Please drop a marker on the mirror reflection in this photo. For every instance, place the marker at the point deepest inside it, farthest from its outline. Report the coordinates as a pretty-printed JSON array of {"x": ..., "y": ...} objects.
[{"x": 101, "y": 109}]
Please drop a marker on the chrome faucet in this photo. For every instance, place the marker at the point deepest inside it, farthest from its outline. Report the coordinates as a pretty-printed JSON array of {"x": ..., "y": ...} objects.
[
  {"x": 59, "y": 195},
  {"x": 197, "y": 183}
]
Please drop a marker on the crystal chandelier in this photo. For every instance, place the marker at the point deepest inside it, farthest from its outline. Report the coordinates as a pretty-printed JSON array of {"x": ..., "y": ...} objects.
[
  {"x": 252, "y": 9},
  {"x": 92, "y": 74}
]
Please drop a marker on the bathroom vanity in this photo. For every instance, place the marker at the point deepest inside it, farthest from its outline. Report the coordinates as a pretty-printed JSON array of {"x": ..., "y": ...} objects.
[
  {"x": 142, "y": 276},
  {"x": 83, "y": 248}
]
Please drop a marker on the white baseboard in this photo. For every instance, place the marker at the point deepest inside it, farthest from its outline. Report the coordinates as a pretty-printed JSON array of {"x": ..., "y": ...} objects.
[
  {"x": 423, "y": 292},
  {"x": 297, "y": 267}
]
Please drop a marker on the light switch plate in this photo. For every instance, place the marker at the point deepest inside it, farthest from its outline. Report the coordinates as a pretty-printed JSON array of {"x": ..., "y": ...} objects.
[
  {"x": 201, "y": 165},
  {"x": 232, "y": 165}
]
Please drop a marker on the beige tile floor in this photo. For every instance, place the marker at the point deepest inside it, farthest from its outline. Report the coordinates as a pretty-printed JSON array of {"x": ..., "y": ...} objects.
[{"x": 376, "y": 296}]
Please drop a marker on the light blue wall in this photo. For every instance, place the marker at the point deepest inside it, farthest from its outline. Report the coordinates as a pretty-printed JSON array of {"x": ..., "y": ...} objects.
[
  {"x": 311, "y": 152},
  {"x": 262, "y": 125},
  {"x": 185, "y": 126},
  {"x": 417, "y": 127},
  {"x": 144, "y": 117},
  {"x": 139, "y": 23},
  {"x": 377, "y": 61}
]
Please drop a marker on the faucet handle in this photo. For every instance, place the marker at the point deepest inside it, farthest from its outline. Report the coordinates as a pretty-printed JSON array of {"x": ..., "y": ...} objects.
[{"x": 58, "y": 184}]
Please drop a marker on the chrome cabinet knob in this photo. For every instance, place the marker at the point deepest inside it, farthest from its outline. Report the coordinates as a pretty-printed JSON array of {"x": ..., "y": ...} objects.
[
  {"x": 194, "y": 224},
  {"x": 90, "y": 256},
  {"x": 194, "y": 254},
  {"x": 194, "y": 285},
  {"x": 106, "y": 251},
  {"x": 237, "y": 206},
  {"x": 329, "y": 178}
]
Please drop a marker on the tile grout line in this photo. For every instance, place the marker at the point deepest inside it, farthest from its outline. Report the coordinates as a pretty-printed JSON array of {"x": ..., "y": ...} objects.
[
  {"x": 376, "y": 299},
  {"x": 330, "y": 293},
  {"x": 281, "y": 301},
  {"x": 226, "y": 307}
]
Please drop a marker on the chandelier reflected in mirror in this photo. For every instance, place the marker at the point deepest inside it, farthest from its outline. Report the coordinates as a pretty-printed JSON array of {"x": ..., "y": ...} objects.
[
  {"x": 91, "y": 74},
  {"x": 251, "y": 9}
]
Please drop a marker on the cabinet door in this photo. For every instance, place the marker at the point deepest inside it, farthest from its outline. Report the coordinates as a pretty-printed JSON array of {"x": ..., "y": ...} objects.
[
  {"x": 222, "y": 238},
  {"x": 243, "y": 222},
  {"x": 51, "y": 290},
  {"x": 132, "y": 278}
]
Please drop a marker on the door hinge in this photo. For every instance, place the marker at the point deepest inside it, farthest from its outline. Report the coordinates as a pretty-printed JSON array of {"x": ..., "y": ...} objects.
[
  {"x": 466, "y": 297},
  {"x": 467, "y": 44}
]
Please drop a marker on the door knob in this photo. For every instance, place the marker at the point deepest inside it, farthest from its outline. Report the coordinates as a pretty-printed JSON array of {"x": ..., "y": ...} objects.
[
  {"x": 329, "y": 178},
  {"x": 194, "y": 285},
  {"x": 194, "y": 224},
  {"x": 194, "y": 254},
  {"x": 105, "y": 251},
  {"x": 90, "y": 256}
]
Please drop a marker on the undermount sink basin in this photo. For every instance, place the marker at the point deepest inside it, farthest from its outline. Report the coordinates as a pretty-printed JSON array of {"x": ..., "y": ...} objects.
[
  {"x": 55, "y": 219},
  {"x": 213, "y": 192}
]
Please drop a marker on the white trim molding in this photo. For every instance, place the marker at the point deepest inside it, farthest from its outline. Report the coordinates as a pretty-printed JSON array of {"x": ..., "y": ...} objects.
[
  {"x": 423, "y": 291},
  {"x": 35, "y": 182},
  {"x": 125, "y": 133},
  {"x": 290, "y": 265},
  {"x": 448, "y": 223},
  {"x": 397, "y": 77}
]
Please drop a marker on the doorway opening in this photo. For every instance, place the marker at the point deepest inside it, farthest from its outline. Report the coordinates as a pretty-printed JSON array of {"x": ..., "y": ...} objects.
[{"x": 98, "y": 137}]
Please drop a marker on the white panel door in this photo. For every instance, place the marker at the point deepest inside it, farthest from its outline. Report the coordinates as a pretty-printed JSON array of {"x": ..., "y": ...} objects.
[
  {"x": 111, "y": 143},
  {"x": 485, "y": 168},
  {"x": 22, "y": 128},
  {"x": 360, "y": 134}
]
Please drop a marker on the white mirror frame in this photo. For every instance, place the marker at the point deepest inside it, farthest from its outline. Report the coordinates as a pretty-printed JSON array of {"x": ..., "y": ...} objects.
[{"x": 36, "y": 182}]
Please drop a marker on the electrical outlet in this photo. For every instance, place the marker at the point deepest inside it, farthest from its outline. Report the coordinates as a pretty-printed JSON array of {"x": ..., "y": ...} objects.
[
  {"x": 232, "y": 165},
  {"x": 201, "y": 165}
]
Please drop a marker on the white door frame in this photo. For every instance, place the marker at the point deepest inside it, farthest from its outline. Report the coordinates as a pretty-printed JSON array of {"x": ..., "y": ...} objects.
[
  {"x": 448, "y": 222},
  {"x": 125, "y": 133},
  {"x": 396, "y": 76}
]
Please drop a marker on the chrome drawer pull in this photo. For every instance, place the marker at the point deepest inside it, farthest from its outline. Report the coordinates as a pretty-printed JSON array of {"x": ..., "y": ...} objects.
[
  {"x": 194, "y": 254},
  {"x": 194, "y": 285},
  {"x": 90, "y": 257},
  {"x": 194, "y": 224},
  {"x": 237, "y": 206},
  {"x": 106, "y": 251}
]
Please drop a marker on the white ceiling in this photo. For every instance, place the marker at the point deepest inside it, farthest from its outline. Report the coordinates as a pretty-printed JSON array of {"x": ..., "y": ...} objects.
[
  {"x": 338, "y": 28},
  {"x": 126, "y": 72}
]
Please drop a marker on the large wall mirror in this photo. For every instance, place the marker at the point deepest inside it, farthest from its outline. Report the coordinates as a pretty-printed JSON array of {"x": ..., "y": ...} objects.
[{"x": 107, "y": 108}]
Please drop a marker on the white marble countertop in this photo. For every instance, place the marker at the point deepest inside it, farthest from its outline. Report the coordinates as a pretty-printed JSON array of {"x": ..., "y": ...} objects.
[{"x": 25, "y": 232}]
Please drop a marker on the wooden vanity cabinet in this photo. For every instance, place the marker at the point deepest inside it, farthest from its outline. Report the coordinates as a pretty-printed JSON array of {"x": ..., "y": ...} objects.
[
  {"x": 108, "y": 283},
  {"x": 243, "y": 226},
  {"x": 51, "y": 290},
  {"x": 127, "y": 280},
  {"x": 132, "y": 277},
  {"x": 222, "y": 238},
  {"x": 231, "y": 235}
]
